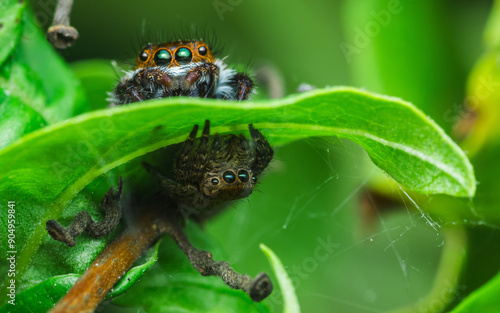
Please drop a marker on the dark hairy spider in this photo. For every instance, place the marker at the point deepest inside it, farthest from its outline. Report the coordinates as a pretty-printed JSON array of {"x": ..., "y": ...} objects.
[
  {"x": 180, "y": 68},
  {"x": 211, "y": 172}
]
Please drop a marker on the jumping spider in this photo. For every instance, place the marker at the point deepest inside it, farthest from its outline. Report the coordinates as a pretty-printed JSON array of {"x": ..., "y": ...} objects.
[
  {"x": 211, "y": 172},
  {"x": 180, "y": 68}
]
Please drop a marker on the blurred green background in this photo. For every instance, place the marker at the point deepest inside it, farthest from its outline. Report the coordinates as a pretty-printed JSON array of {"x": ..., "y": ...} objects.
[{"x": 386, "y": 253}]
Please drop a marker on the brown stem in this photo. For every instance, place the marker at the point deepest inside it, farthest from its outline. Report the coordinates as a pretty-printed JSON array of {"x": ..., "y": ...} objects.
[{"x": 61, "y": 35}]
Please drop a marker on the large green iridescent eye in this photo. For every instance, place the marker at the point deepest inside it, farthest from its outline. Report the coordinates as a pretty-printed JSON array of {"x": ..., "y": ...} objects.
[
  {"x": 162, "y": 57},
  {"x": 183, "y": 56}
]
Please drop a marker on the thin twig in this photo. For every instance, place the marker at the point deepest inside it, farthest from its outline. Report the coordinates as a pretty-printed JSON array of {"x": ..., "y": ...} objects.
[{"x": 61, "y": 35}]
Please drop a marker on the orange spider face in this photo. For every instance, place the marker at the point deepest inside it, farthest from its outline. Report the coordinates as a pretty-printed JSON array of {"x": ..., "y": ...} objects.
[{"x": 175, "y": 53}]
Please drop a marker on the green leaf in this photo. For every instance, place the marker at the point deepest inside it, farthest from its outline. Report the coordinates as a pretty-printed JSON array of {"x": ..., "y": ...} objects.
[
  {"x": 175, "y": 286},
  {"x": 43, "y": 296},
  {"x": 48, "y": 168},
  {"x": 17, "y": 119},
  {"x": 63, "y": 93},
  {"x": 420, "y": 69},
  {"x": 491, "y": 34},
  {"x": 483, "y": 208},
  {"x": 136, "y": 272},
  {"x": 485, "y": 299},
  {"x": 291, "y": 303},
  {"x": 479, "y": 120},
  {"x": 97, "y": 78},
  {"x": 36, "y": 87},
  {"x": 11, "y": 12}
]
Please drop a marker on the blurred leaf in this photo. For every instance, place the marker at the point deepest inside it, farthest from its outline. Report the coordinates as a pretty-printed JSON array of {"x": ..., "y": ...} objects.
[
  {"x": 64, "y": 97},
  {"x": 291, "y": 303},
  {"x": 36, "y": 87},
  {"x": 11, "y": 12},
  {"x": 401, "y": 48},
  {"x": 478, "y": 128},
  {"x": 491, "y": 33},
  {"x": 97, "y": 78},
  {"x": 485, "y": 299},
  {"x": 175, "y": 286},
  {"x": 478, "y": 122}
]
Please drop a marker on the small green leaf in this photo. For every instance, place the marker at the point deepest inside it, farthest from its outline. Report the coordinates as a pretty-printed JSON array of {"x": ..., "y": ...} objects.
[
  {"x": 491, "y": 34},
  {"x": 136, "y": 272},
  {"x": 485, "y": 299},
  {"x": 290, "y": 301}
]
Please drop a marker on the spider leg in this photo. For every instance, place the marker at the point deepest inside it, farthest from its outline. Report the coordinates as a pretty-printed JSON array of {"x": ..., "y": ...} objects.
[
  {"x": 171, "y": 186},
  {"x": 126, "y": 92},
  {"x": 242, "y": 86},
  {"x": 201, "y": 80},
  {"x": 183, "y": 157},
  {"x": 263, "y": 151},
  {"x": 143, "y": 85},
  {"x": 216, "y": 145},
  {"x": 258, "y": 288},
  {"x": 110, "y": 205},
  {"x": 202, "y": 156},
  {"x": 220, "y": 148},
  {"x": 156, "y": 82}
]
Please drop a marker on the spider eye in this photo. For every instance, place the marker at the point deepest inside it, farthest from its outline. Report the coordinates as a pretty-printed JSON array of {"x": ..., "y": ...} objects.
[
  {"x": 143, "y": 56},
  {"x": 243, "y": 176},
  {"x": 183, "y": 56},
  {"x": 229, "y": 177},
  {"x": 163, "y": 57},
  {"x": 254, "y": 179},
  {"x": 214, "y": 181},
  {"x": 202, "y": 50}
]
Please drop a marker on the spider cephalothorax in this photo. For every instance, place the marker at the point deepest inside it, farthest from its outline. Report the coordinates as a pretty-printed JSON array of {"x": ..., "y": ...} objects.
[
  {"x": 180, "y": 68},
  {"x": 212, "y": 171}
]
